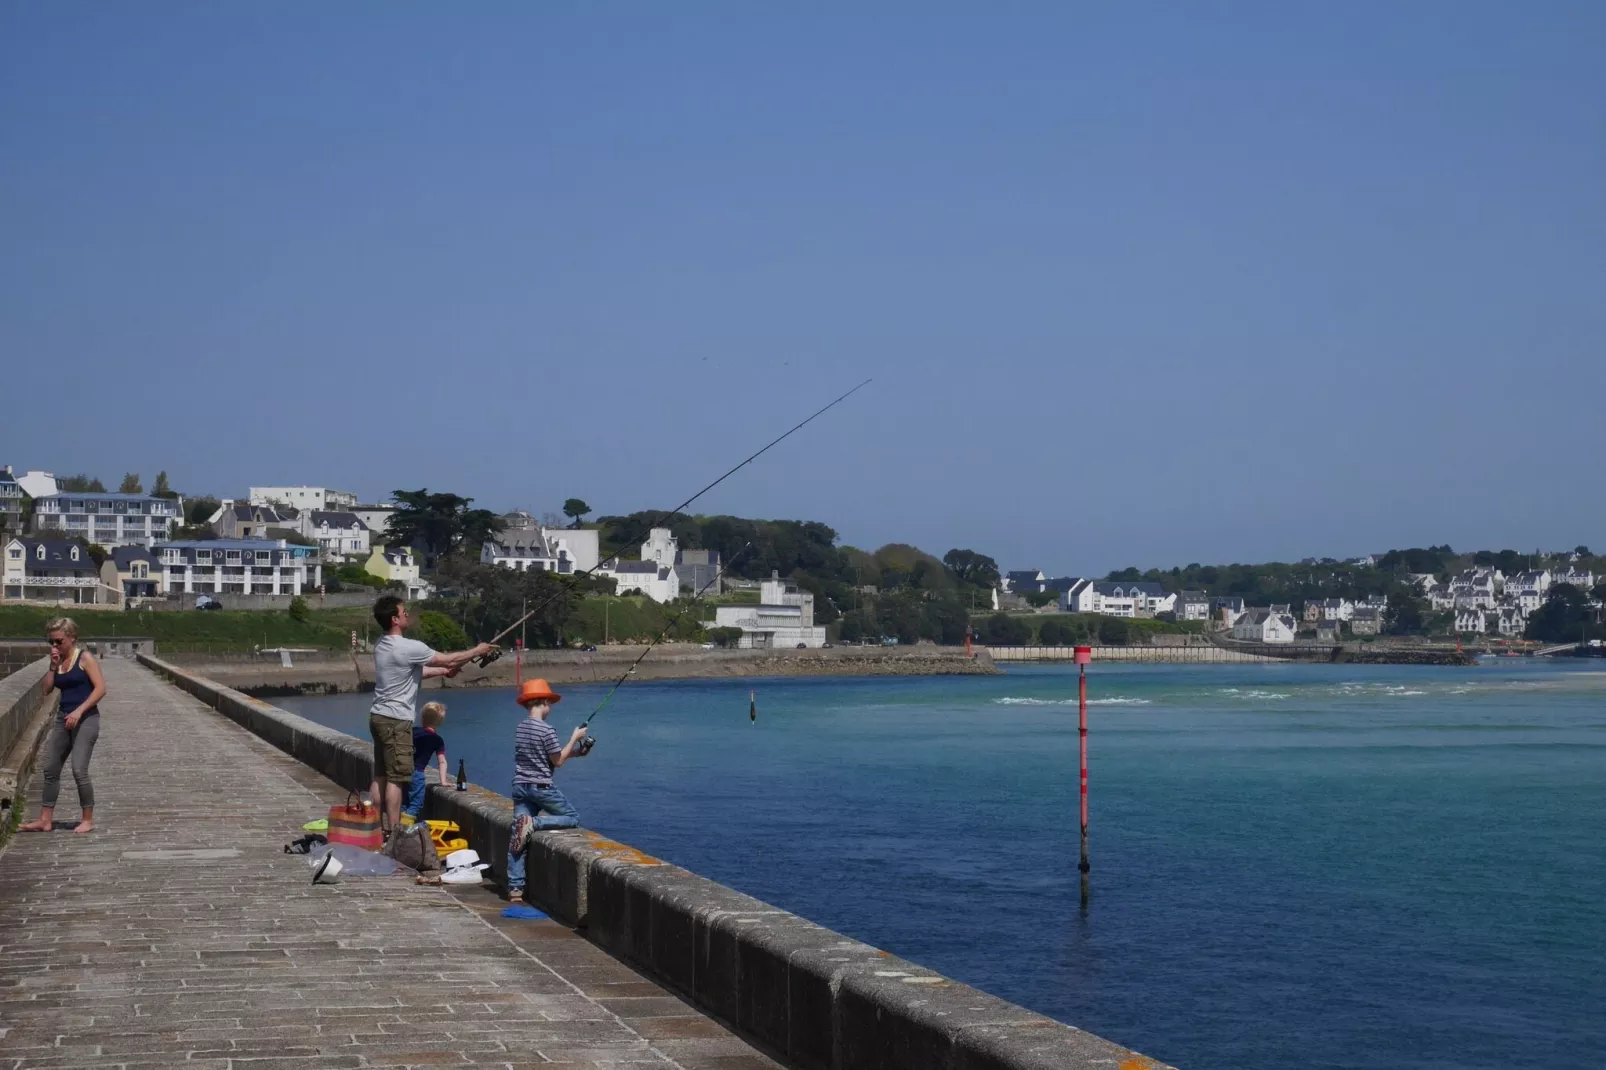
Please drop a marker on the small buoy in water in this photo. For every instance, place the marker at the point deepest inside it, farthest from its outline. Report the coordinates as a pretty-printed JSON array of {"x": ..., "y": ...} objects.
[{"x": 752, "y": 706}]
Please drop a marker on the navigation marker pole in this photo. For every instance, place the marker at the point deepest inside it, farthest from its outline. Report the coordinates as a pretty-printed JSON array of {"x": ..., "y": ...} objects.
[{"x": 1084, "y": 654}]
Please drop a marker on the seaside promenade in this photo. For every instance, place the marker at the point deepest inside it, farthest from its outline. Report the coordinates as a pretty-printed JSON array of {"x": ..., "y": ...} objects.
[{"x": 180, "y": 934}]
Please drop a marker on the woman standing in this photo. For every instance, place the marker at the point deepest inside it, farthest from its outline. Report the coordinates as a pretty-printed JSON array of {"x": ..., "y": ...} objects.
[{"x": 76, "y": 674}]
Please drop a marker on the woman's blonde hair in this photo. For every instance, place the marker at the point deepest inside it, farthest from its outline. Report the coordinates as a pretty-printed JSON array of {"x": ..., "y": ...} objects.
[
  {"x": 434, "y": 714},
  {"x": 65, "y": 625}
]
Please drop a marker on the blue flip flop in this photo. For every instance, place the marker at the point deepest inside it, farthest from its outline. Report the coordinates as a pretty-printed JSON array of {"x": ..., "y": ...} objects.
[{"x": 523, "y": 910}]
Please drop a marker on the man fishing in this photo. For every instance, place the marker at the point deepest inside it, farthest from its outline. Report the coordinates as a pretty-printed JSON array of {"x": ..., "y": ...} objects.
[{"x": 400, "y": 665}]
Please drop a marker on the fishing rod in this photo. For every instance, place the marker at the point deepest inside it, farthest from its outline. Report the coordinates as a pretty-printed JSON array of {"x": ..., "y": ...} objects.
[
  {"x": 589, "y": 741},
  {"x": 486, "y": 659}
]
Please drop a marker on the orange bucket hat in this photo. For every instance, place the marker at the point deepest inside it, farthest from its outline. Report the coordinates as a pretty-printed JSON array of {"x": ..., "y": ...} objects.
[{"x": 535, "y": 690}]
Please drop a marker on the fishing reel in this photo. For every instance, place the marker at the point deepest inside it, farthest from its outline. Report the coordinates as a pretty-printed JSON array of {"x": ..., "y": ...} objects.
[
  {"x": 484, "y": 660},
  {"x": 583, "y": 748}
]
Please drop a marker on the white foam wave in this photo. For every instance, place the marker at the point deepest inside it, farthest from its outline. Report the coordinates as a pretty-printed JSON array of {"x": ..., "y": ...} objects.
[{"x": 1254, "y": 693}]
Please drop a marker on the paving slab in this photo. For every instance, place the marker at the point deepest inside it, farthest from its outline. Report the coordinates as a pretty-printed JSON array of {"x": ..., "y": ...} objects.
[{"x": 180, "y": 933}]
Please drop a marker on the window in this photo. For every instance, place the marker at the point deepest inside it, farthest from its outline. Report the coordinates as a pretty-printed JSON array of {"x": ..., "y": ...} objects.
[
  {"x": 74, "y": 553},
  {"x": 203, "y": 557},
  {"x": 233, "y": 555},
  {"x": 39, "y": 554}
]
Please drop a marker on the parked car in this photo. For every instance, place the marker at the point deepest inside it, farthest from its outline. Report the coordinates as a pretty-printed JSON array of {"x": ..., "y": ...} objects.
[{"x": 205, "y": 602}]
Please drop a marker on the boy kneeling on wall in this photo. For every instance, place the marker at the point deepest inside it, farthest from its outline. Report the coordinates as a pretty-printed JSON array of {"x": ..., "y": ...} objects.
[{"x": 535, "y": 755}]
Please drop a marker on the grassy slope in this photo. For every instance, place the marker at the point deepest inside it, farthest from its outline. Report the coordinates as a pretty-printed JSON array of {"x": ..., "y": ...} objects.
[{"x": 222, "y": 631}]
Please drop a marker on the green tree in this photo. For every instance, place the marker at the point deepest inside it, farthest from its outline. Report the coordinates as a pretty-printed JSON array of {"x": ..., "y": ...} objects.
[
  {"x": 1039, "y": 599},
  {"x": 440, "y": 524},
  {"x": 1565, "y": 617},
  {"x": 1406, "y": 613},
  {"x": 131, "y": 484},
  {"x": 300, "y": 612},
  {"x": 972, "y": 568},
  {"x": 200, "y": 510},
  {"x": 439, "y": 632},
  {"x": 1582, "y": 551},
  {"x": 1055, "y": 633},
  {"x": 1003, "y": 630},
  {"x": 1114, "y": 631},
  {"x": 574, "y": 509},
  {"x": 1127, "y": 574},
  {"x": 81, "y": 484},
  {"x": 161, "y": 489},
  {"x": 725, "y": 637}
]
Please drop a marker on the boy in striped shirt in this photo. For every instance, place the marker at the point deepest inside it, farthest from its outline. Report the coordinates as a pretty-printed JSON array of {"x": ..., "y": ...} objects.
[{"x": 535, "y": 755}]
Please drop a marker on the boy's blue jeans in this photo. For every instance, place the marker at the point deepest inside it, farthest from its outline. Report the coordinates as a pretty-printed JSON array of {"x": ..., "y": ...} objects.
[
  {"x": 414, "y": 805},
  {"x": 531, "y": 800}
]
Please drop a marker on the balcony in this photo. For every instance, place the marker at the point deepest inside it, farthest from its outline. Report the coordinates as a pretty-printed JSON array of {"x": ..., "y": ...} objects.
[{"x": 60, "y": 581}]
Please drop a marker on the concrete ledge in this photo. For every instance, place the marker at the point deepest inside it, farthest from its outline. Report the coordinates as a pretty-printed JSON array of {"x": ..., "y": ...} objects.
[
  {"x": 24, "y": 719},
  {"x": 812, "y": 996}
]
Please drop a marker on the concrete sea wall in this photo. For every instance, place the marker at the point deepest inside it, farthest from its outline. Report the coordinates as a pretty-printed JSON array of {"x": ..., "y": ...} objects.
[
  {"x": 817, "y": 999},
  {"x": 1199, "y": 653},
  {"x": 23, "y": 721}
]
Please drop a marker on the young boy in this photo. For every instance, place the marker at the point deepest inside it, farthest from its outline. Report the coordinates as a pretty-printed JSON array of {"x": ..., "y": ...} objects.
[
  {"x": 427, "y": 744},
  {"x": 535, "y": 755}
]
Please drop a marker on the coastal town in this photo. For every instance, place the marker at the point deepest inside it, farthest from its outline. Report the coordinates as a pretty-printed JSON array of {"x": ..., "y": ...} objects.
[{"x": 70, "y": 541}]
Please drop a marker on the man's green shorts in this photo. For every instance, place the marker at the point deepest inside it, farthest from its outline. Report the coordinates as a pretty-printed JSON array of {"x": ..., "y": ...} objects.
[{"x": 393, "y": 748}]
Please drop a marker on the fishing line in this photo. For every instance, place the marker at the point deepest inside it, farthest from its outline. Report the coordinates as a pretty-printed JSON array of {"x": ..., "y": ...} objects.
[
  {"x": 588, "y": 742},
  {"x": 486, "y": 659}
]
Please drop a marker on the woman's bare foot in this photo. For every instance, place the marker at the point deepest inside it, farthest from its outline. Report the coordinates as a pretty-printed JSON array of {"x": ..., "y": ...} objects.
[
  {"x": 40, "y": 825},
  {"x": 84, "y": 826}
]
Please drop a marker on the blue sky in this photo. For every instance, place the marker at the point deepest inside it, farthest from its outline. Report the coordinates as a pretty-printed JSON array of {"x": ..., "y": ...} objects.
[{"x": 1138, "y": 283}]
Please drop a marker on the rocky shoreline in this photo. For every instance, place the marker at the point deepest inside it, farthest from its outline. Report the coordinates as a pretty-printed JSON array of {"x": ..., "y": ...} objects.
[{"x": 323, "y": 675}]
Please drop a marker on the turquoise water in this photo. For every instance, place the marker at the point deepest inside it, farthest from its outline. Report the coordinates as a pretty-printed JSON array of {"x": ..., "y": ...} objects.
[{"x": 1293, "y": 865}]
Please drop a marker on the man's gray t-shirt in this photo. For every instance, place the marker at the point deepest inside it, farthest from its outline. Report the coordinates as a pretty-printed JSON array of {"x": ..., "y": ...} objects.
[{"x": 398, "y": 670}]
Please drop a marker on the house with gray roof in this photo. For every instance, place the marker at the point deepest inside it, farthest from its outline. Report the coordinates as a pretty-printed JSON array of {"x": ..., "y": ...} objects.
[{"x": 50, "y": 570}]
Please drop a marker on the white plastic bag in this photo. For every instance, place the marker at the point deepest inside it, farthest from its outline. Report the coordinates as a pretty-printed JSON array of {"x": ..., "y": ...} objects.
[{"x": 355, "y": 862}]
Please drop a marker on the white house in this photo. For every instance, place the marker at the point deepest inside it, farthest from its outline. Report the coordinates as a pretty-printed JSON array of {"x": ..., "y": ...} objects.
[
  {"x": 1510, "y": 621},
  {"x": 238, "y": 566},
  {"x": 1023, "y": 581},
  {"x": 376, "y": 518},
  {"x": 1264, "y": 626},
  {"x": 783, "y": 619},
  {"x": 1440, "y": 598},
  {"x": 1527, "y": 590},
  {"x": 304, "y": 497},
  {"x": 1583, "y": 579},
  {"x": 107, "y": 519},
  {"x": 53, "y": 570},
  {"x": 340, "y": 535},
  {"x": 661, "y": 548},
  {"x": 241, "y": 520},
  {"x": 1469, "y": 620},
  {"x": 1476, "y": 588},
  {"x": 659, "y": 582},
  {"x": 1337, "y": 609},
  {"x": 531, "y": 546}
]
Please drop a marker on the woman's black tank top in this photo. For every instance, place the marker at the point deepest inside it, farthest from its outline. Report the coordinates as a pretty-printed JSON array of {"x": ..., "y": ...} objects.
[{"x": 75, "y": 686}]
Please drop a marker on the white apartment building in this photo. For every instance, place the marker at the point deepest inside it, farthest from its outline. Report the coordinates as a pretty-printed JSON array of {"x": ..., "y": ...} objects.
[
  {"x": 1136, "y": 598},
  {"x": 304, "y": 497},
  {"x": 108, "y": 520},
  {"x": 238, "y": 566},
  {"x": 783, "y": 619}
]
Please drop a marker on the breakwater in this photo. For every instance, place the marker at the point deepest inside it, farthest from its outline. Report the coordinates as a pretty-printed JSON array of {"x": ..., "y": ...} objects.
[
  {"x": 1193, "y": 654},
  {"x": 319, "y": 673},
  {"x": 811, "y": 995}
]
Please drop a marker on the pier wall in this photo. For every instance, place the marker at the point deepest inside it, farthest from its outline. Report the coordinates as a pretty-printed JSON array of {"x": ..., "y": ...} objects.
[
  {"x": 24, "y": 717},
  {"x": 817, "y": 999}
]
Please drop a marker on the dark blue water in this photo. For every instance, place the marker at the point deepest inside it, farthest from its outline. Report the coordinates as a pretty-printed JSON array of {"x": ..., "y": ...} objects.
[{"x": 1293, "y": 865}]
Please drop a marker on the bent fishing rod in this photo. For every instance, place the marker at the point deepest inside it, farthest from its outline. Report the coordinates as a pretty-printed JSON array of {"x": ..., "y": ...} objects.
[
  {"x": 486, "y": 659},
  {"x": 590, "y": 741}
]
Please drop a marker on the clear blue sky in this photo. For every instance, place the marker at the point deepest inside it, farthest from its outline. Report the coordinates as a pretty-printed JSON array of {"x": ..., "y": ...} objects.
[{"x": 1138, "y": 283}]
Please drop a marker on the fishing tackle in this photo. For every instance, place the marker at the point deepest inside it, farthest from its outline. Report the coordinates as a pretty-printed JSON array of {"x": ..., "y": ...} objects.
[{"x": 485, "y": 659}]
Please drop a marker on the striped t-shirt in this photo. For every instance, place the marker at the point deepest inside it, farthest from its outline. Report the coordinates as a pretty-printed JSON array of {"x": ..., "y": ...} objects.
[{"x": 533, "y": 747}]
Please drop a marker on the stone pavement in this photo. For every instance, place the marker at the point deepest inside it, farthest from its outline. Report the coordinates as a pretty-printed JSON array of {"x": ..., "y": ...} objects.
[{"x": 113, "y": 957}]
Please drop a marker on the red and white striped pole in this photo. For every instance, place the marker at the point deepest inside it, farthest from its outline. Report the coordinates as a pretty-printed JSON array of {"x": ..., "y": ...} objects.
[{"x": 1084, "y": 654}]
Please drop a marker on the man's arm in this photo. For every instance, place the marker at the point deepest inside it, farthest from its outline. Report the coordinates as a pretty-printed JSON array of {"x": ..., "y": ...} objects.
[
  {"x": 432, "y": 671},
  {"x": 459, "y": 659}
]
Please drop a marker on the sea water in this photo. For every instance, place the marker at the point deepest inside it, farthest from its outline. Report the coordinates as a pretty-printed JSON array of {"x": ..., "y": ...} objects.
[{"x": 1292, "y": 865}]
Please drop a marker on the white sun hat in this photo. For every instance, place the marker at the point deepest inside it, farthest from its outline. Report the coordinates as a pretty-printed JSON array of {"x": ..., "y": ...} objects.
[
  {"x": 328, "y": 870},
  {"x": 464, "y": 867}
]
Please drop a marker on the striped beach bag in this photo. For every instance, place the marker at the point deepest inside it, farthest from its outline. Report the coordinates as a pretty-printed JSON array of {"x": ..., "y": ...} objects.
[{"x": 353, "y": 823}]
